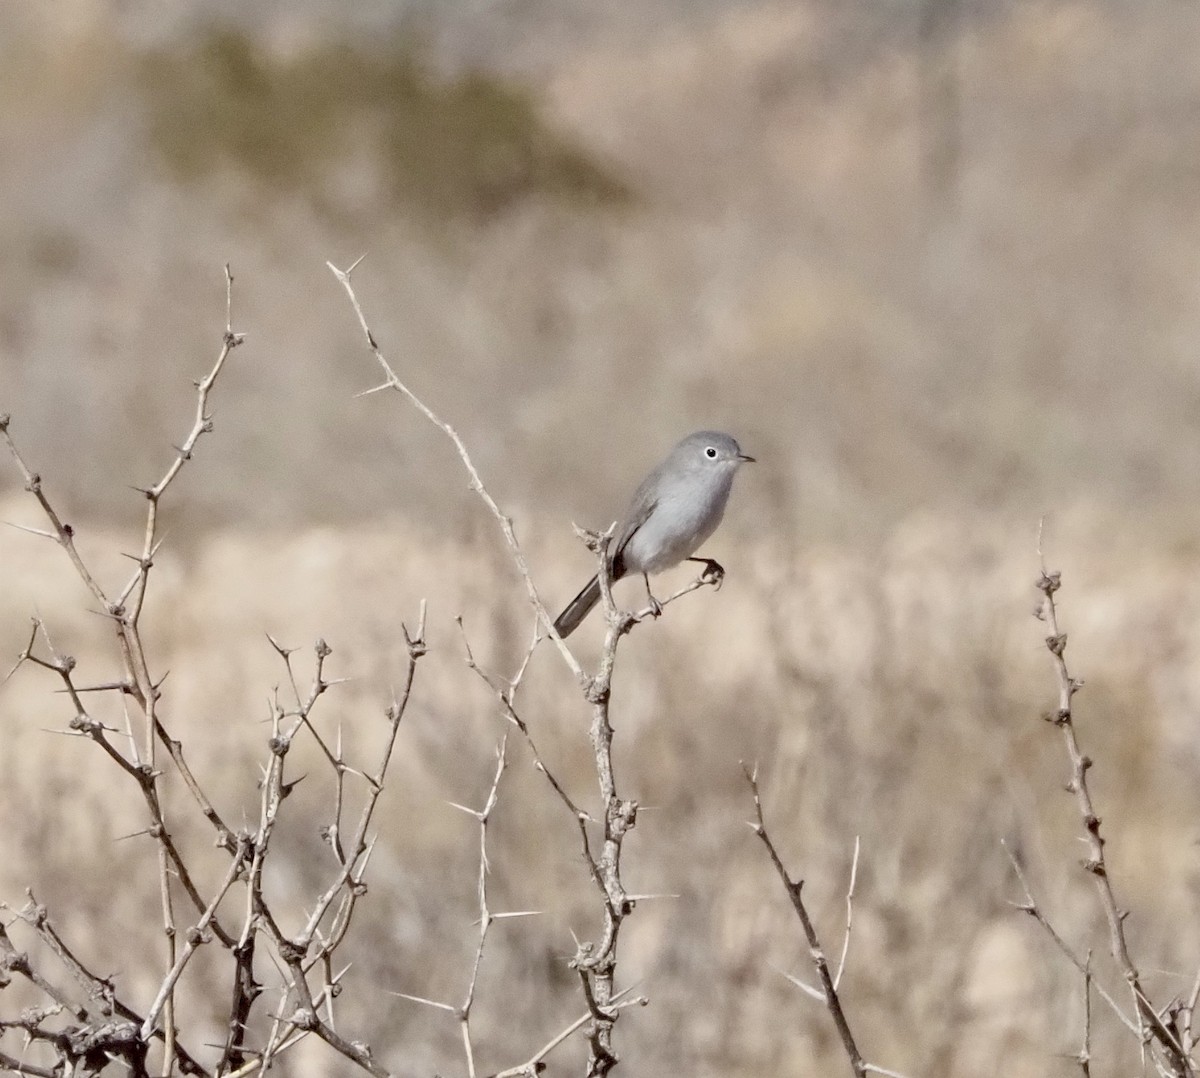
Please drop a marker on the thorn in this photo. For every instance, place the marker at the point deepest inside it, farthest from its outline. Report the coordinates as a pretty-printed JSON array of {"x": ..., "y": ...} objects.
[
  {"x": 426, "y": 1002},
  {"x": 132, "y": 834},
  {"x": 463, "y": 808},
  {"x": 283, "y": 652},
  {"x": 32, "y": 531},
  {"x": 107, "y": 686},
  {"x": 287, "y": 787}
]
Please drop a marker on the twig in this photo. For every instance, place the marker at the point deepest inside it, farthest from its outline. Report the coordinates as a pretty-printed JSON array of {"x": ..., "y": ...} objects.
[
  {"x": 1031, "y": 907},
  {"x": 202, "y": 424},
  {"x": 595, "y": 962},
  {"x": 483, "y": 816},
  {"x": 9, "y": 1063},
  {"x": 1175, "y": 1058},
  {"x": 105, "y": 1028},
  {"x": 506, "y": 525},
  {"x": 506, "y": 697},
  {"x": 837, "y": 979},
  {"x": 64, "y": 534},
  {"x": 103, "y": 1003},
  {"x": 298, "y": 955},
  {"x": 793, "y": 888},
  {"x": 195, "y": 937},
  {"x": 535, "y": 1064},
  {"x": 125, "y": 616},
  {"x": 1085, "y": 1049},
  {"x": 1187, "y": 1016}
]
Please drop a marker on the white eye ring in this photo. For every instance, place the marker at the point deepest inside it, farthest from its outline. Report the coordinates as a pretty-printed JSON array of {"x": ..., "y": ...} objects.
[{"x": 710, "y": 452}]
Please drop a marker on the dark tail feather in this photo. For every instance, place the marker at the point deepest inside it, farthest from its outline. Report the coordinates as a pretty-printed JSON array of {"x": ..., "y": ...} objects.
[{"x": 578, "y": 608}]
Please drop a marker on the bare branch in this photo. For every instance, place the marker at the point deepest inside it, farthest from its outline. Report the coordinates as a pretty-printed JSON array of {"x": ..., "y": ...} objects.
[
  {"x": 1175, "y": 1058},
  {"x": 837, "y": 980},
  {"x": 1085, "y": 1049},
  {"x": 1031, "y": 907},
  {"x": 505, "y": 522},
  {"x": 485, "y": 915},
  {"x": 195, "y": 937},
  {"x": 535, "y": 1064},
  {"x": 793, "y": 888}
]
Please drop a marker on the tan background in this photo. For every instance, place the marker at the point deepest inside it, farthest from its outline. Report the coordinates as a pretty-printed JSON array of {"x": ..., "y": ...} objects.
[{"x": 935, "y": 265}]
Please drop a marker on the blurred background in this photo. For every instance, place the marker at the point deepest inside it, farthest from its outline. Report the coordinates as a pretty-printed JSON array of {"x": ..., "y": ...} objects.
[{"x": 935, "y": 263}]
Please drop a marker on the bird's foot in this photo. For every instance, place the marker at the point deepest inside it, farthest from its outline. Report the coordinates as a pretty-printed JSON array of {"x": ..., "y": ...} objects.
[
  {"x": 713, "y": 572},
  {"x": 654, "y": 609}
]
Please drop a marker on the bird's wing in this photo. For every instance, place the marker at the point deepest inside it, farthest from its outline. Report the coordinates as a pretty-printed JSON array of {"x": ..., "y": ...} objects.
[
  {"x": 632, "y": 523},
  {"x": 643, "y": 504}
]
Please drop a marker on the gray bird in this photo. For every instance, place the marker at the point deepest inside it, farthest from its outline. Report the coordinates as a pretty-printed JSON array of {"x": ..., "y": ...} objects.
[{"x": 676, "y": 508}]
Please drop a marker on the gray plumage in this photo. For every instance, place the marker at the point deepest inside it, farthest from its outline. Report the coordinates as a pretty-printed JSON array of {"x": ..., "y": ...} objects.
[{"x": 678, "y": 506}]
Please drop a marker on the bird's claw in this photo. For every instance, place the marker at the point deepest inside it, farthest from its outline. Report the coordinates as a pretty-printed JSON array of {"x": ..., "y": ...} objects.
[{"x": 713, "y": 573}]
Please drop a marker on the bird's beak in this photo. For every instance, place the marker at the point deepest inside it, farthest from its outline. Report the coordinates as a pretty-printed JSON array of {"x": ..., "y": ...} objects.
[{"x": 746, "y": 459}]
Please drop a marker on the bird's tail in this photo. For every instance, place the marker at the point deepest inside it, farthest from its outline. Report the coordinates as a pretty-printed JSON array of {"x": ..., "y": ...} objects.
[{"x": 578, "y": 608}]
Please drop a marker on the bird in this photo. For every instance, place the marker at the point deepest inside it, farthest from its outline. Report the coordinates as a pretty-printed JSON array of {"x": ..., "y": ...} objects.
[{"x": 678, "y": 505}]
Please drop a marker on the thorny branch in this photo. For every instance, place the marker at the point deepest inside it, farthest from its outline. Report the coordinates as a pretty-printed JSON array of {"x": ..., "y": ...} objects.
[
  {"x": 595, "y": 962},
  {"x": 487, "y": 917},
  {"x": 1153, "y": 1028},
  {"x": 793, "y": 888},
  {"x": 1031, "y": 907},
  {"x": 828, "y": 993},
  {"x": 506, "y": 696},
  {"x": 103, "y": 1022},
  {"x": 104, "y": 1028},
  {"x": 124, "y": 612},
  {"x": 310, "y": 981},
  {"x": 391, "y": 381},
  {"x": 326, "y": 927}
]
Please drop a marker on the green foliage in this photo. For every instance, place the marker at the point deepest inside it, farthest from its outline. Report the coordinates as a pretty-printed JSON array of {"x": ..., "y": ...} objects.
[{"x": 468, "y": 146}]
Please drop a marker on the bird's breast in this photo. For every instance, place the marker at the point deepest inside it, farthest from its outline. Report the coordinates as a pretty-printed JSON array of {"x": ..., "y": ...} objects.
[{"x": 679, "y": 523}]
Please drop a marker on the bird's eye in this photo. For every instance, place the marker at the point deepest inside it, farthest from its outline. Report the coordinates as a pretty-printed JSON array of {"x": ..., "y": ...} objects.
[{"x": 710, "y": 452}]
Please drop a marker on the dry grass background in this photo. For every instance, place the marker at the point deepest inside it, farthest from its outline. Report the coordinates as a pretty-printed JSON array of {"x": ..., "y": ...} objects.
[
  {"x": 922, "y": 369},
  {"x": 893, "y": 694}
]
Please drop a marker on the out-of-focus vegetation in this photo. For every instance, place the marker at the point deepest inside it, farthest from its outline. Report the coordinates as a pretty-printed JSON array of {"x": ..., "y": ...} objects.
[
  {"x": 938, "y": 283},
  {"x": 894, "y": 695},
  {"x": 472, "y": 144},
  {"x": 942, "y": 270}
]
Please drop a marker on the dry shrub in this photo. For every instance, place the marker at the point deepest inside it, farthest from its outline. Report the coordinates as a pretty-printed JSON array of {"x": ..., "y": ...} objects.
[{"x": 891, "y": 692}]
